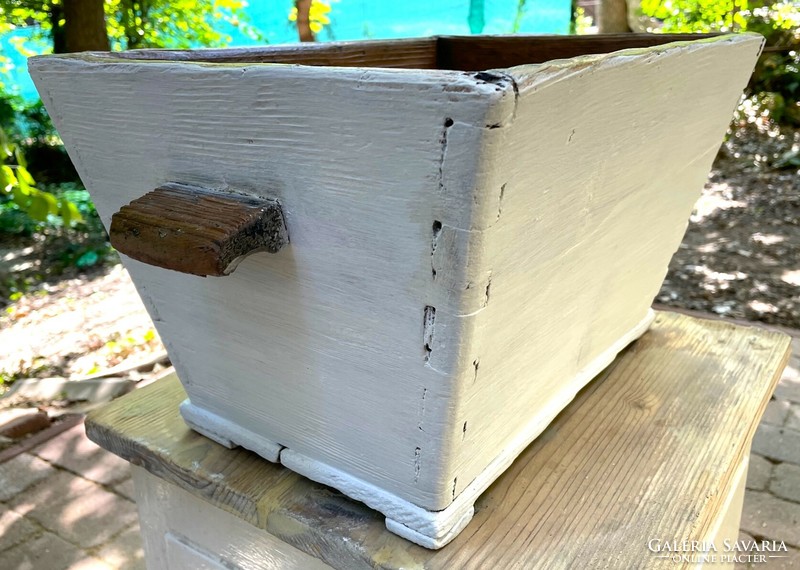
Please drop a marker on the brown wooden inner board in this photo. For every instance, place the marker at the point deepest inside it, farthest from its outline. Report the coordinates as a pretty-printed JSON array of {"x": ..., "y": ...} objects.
[
  {"x": 647, "y": 450},
  {"x": 463, "y": 53}
]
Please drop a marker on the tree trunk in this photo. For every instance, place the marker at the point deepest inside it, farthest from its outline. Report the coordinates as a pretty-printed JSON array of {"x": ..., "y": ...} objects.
[
  {"x": 613, "y": 17},
  {"x": 573, "y": 17},
  {"x": 57, "y": 28},
  {"x": 85, "y": 26},
  {"x": 304, "y": 20}
]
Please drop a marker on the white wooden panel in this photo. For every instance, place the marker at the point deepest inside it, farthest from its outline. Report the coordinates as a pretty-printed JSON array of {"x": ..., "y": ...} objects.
[
  {"x": 182, "y": 555},
  {"x": 182, "y": 532},
  {"x": 320, "y": 347},
  {"x": 602, "y": 164}
]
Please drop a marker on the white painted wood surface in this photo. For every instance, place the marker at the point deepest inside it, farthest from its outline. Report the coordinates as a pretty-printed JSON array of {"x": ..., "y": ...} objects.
[
  {"x": 466, "y": 250},
  {"x": 182, "y": 532}
]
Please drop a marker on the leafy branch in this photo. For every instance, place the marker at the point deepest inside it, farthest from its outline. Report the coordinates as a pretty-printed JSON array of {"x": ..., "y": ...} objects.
[{"x": 18, "y": 184}]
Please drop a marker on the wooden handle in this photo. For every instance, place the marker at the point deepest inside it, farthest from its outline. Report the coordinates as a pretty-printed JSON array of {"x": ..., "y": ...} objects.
[{"x": 197, "y": 231}]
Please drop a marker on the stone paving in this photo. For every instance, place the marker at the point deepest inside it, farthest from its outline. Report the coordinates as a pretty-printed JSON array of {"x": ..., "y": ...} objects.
[
  {"x": 68, "y": 504},
  {"x": 772, "y": 500}
]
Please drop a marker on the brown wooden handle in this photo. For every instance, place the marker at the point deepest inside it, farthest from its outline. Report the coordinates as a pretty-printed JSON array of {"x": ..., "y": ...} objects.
[{"x": 197, "y": 231}]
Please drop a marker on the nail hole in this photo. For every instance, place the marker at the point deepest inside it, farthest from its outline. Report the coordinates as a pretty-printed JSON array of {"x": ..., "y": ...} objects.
[{"x": 429, "y": 318}]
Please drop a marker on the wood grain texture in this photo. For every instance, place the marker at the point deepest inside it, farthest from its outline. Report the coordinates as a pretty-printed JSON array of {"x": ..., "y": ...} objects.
[
  {"x": 650, "y": 449},
  {"x": 464, "y": 245},
  {"x": 494, "y": 52},
  {"x": 419, "y": 53},
  {"x": 462, "y": 53},
  {"x": 600, "y": 234},
  {"x": 197, "y": 231},
  {"x": 356, "y": 168},
  {"x": 182, "y": 532}
]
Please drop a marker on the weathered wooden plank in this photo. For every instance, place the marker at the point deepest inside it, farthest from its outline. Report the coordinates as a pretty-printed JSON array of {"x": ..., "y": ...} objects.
[
  {"x": 494, "y": 52},
  {"x": 419, "y": 53},
  {"x": 197, "y": 231},
  {"x": 464, "y": 53},
  {"x": 649, "y": 449}
]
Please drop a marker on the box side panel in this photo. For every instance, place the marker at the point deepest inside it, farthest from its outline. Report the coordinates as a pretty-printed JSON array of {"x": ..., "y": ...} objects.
[
  {"x": 329, "y": 347},
  {"x": 602, "y": 165}
]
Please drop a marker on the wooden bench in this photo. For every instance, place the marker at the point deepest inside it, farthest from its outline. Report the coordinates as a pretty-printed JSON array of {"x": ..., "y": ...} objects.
[{"x": 653, "y": 451}]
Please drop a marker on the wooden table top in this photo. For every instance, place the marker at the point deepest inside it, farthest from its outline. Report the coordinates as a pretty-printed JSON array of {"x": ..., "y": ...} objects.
[{"x": 647, "y": 450}]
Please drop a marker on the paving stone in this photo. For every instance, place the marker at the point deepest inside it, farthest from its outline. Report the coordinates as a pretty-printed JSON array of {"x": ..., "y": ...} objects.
[
  {"x": 46, "y": 389},
  {"x": 72, "y": 450},
  {"x": 786, "y": 482},
  {"x": 779, "y": 560},
  {"x": 58, "y": 488},
  {"x": 14, "y": 528},
  {"x": 758, "y": 473},
  {"x": 124, "y": 551},
  {"x": 743, "y": 536},
  {"x": 772, "y": 561},
  {"x": 765, "y": 516},
  {"x": 776, "y": 412},
  {"x": 793, "y": 417},
  {"x": 50, "y": 552},
  {"x": 78, "y": 510},
  {"x": 126, "y": 489},
  {"x": 777, "y": 443},
  {"x": 17, "y": 422},
  {"x": 789, "y": 384},
  {"x": 21, "y": 472}
]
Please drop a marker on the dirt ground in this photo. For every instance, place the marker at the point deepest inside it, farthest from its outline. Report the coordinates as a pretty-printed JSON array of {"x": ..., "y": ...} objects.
[
  {"x": 740, "y": 258},
  {"x": 78, "y": 327}
]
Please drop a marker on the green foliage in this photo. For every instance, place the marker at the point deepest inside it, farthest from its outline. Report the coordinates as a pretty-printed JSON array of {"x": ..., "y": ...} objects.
[
  {"x": 25, "y": 127},
  {"x": 35, "y": 124},
  {"x": 581, "y": 22},
  {"x": 30, "y": 124},
  {"x": 175, "y": 24},
  {"x": 141, "y": 24},
  {"x": 91, "y": 247},
  {"x": 519, "y": 14},
  {"x": 20, "y": 188},
  {"x": 687, "y": 16},
  {"x": 58, "y": 250},
  {"x": 774, "y": 90}
]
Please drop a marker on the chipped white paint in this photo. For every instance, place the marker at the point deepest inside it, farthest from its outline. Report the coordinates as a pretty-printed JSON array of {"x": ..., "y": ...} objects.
[{"x": 466, "y": 252}]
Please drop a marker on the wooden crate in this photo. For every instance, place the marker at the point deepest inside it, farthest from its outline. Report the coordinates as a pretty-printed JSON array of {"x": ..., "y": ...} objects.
[{"x": 457, "y": 252}]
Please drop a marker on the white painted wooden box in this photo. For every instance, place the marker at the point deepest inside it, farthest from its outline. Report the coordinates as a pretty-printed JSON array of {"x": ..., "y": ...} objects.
[{"x": 466, "y": 249}]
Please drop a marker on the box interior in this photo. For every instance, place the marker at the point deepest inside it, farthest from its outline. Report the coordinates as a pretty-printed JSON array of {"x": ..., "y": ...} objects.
[{"x": 457, "y": 53}]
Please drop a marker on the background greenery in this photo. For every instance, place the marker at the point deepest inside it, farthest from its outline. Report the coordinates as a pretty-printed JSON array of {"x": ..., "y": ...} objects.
[{"x": 775, "y": 87}]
